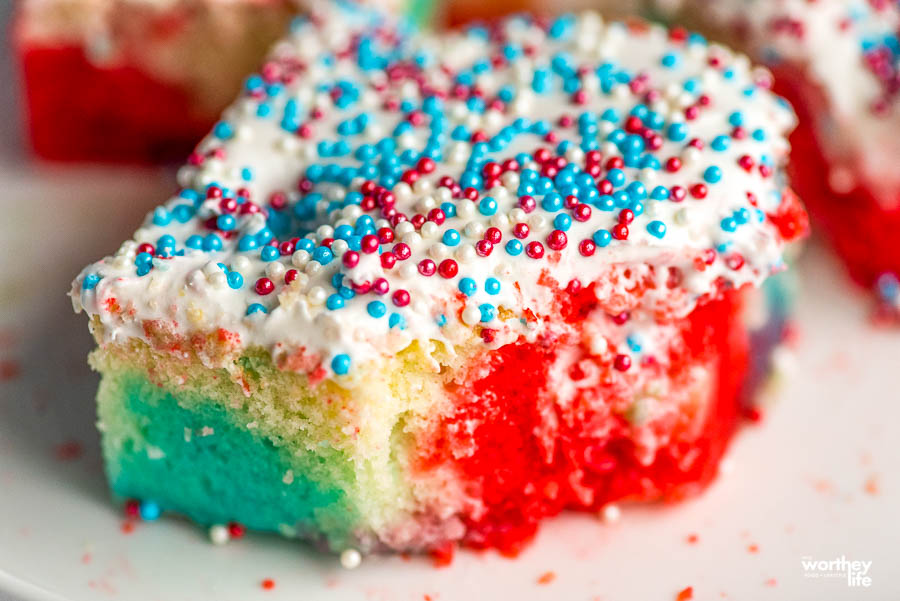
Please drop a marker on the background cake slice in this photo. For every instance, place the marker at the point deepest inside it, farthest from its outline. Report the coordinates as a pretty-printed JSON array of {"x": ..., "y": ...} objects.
[
  {"x": 418, "y": 290},
  {"x": 142, "y": 81}
]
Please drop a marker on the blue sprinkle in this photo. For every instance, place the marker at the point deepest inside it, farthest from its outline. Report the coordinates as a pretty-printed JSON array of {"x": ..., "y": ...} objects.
[
  {"x": 552, "y": 202},
  {"x": 256, "y": 308},
  {"x": 712, "y": 174},
  {"x": 487, "y": 312},
  {"x": 487, "y": 206},
  {"x": 235, "y": 280},
  {"x": 149, "y": 511},
  {"x": 451, "y": 237},
  {"x": 729, "y": 224},
  {"x": 677, "y": 132},
  {"x": 616, "y": 177},
  {"x": 341, "y": 364},
  {"x": 165, "y": 241},
  {"x": 514, "y": 247},
  {"x": 161, "y": 216},
  {"x": 196, "y": 242},
  {"x": 492, "y": 286},
  {"x": 657, "y": 228},
  {"x": 269, "y": 253},
  {"x": 441, "y": 320},
  {"x": 669, "y": 60},
  {"x": 605, "y": 203},
  {"x": 223, "y": 130},
  {"x": 397, "y": 321},
  {"x": 225, "y": 222},
  {"x": 323, "y": 255},
  {"x": 659, "y": 193},
  {"x": 736, "y": 119},
  {"x": 212, "y": 242},
  {"x": 742, "y": 215},
  {"x": 90, "y": 281},
  {"x": 634, "y": 343},
  {"x": 602, "y": 238},
  {"x": 183, "y": 213},
  {"x": 562, "y": 222},
  {"x": 637, "y": 190},
  {"x": 468, "y": 286},
  {"x": 376, "y": 309},
  {"x": 334, "y": 302},
  {"x": 720, "y": 143},
  {"x": 244, "y": 244}
]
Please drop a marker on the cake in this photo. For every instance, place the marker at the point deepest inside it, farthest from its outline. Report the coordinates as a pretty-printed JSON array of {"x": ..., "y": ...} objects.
[
  {"x": 425, "y": 290},
  {"x": 139, "y": 80}
]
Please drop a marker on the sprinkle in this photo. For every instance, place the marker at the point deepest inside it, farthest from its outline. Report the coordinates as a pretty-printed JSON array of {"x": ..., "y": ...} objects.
[
  {"x": 468, "y": 286},
  {"x": 341, "y": 364},
  {"x": 350, "y": 559},
  {"x": 712, "y": 174},
  {"x": 657, "y": 228},
  {"x": 219, "y": 535},
  {"x": 149, "y": 511}
]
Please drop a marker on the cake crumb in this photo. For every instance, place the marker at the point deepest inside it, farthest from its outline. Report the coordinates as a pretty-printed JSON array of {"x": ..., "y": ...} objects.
[
  {"x": 546, "y": 577},
  {"x": 69, "y": 450},
  {"x": 871, "y": 486},
  {"x": 9, "y": 370},
  {"x": 685, "y": 594}
]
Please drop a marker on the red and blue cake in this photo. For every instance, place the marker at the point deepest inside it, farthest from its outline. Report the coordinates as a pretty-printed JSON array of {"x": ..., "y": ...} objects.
[{"x": 418, "y": 291}]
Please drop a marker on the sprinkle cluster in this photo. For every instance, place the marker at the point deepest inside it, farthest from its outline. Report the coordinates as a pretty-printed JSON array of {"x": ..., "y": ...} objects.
[{"x": 371, "y": 182}]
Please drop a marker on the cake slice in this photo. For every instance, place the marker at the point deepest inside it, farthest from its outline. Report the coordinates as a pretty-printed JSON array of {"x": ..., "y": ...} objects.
[
  {"x": 424, "y": 290},
  {"x": 139, "y": 81}
]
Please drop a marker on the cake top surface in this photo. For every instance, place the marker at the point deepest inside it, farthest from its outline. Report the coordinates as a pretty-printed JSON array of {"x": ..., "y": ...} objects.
[{"x": 372, "y": 187}]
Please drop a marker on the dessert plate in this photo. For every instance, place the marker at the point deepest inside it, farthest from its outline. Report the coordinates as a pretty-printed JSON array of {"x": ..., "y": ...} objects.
[{"x": 818, "y": 480}]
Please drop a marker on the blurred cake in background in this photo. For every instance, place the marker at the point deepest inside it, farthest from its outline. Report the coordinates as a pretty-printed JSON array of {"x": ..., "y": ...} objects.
[
  {"x": 141, "y": 80},
  {"x": 421, "y": 290}
]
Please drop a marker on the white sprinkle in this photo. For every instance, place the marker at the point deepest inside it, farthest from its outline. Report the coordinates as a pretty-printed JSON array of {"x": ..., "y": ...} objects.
[
  {"x": 275, "y": 269},
  {"x": 350, "y": 558},
  {"x": 219, "y": 534},
  {"x": 610, "y": 513},
  {"x": 471, "y": 315},
  {"x": 299, "y": 259}
]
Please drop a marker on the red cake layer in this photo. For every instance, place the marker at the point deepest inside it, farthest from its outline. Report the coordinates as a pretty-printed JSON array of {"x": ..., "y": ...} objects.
[
  {"x": 79, "y": 111},
  {"x": 864, "y": 232},
  {"x": 529, "y": 458}
]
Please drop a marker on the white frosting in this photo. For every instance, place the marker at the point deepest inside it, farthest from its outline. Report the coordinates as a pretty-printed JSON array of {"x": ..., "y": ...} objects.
[{"x": 190, "y": 293}]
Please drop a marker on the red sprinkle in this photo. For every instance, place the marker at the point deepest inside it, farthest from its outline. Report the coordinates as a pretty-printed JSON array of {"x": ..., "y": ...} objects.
[
  {"x": 448, "y": 268},
  {"x": 264, "y": 286},
  {"x": 534, "y": 249},
  {"x": 622, "y": 362}
]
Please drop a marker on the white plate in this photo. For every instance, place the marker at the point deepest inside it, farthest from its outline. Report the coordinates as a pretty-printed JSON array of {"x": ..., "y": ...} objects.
[{"x": 818, "y": 478}]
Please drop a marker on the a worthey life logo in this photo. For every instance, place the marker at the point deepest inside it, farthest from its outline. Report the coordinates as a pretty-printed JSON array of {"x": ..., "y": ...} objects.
[{"x": 854, "y": 572}]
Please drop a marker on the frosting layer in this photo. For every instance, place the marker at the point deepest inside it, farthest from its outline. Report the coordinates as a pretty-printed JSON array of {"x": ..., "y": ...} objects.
[{"x": 373, "y": 187}]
